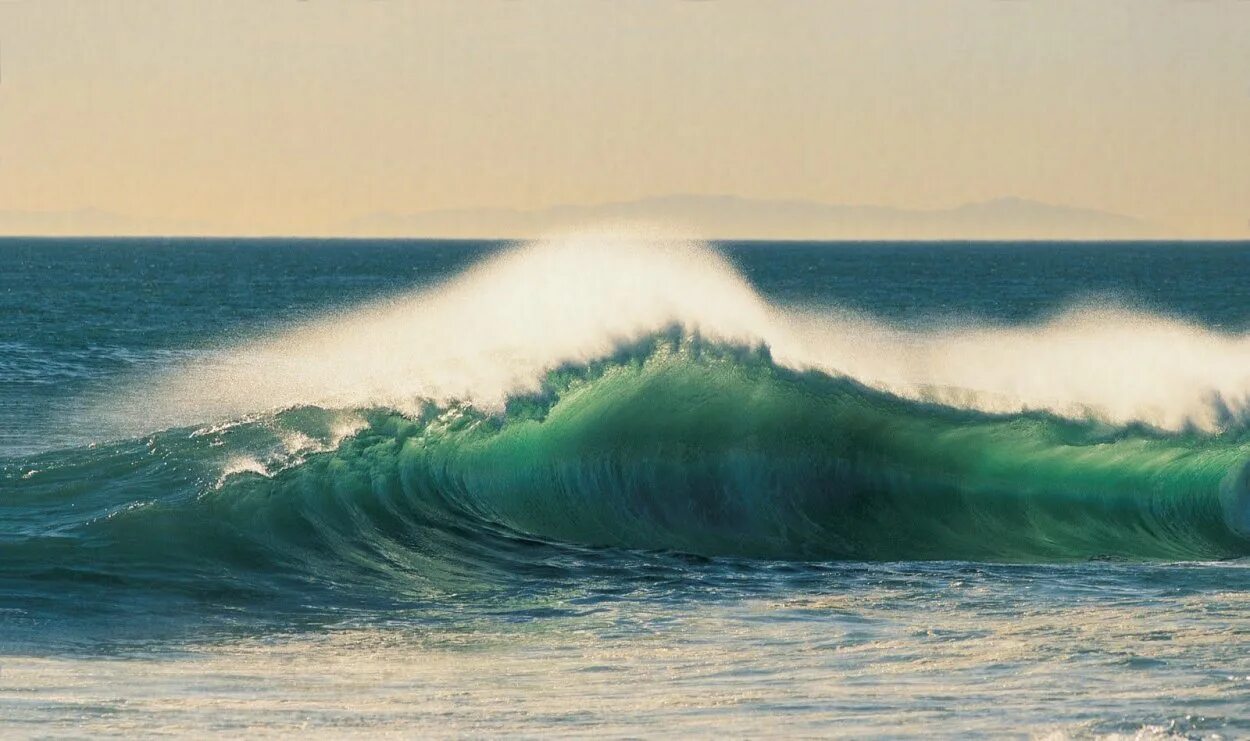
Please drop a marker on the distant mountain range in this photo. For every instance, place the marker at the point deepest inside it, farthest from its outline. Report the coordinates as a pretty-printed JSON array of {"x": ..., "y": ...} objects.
[
  {"x": 699, "y": 216},
  {"x": 712, "y": 216}
]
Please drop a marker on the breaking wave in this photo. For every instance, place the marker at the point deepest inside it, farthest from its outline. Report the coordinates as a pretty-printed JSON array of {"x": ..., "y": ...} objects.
[{"x": 613, "y": 394}]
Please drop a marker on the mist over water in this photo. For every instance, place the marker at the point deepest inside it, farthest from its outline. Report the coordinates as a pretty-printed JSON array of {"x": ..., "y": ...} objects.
[{"x": 861, "y": 462}]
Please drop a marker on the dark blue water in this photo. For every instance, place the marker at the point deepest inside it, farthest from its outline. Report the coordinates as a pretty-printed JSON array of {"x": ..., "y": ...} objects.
[{"x": 816, "y": 488}]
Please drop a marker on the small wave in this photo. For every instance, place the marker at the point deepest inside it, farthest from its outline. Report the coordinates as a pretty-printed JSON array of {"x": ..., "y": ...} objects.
[{"x": 242, "y": 465}]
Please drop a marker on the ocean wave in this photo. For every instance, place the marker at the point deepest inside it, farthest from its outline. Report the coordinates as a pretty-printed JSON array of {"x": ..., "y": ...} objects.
[
  {"x": 656, "y": 404},
  {"x": 674, "y": 443}
]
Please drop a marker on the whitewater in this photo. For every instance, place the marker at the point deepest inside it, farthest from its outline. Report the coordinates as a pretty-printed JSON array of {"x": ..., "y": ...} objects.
[{"x": 495, "y": 331}]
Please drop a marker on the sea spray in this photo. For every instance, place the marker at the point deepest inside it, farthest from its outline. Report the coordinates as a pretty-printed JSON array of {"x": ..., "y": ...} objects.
[{"x": 493, "y": 333}]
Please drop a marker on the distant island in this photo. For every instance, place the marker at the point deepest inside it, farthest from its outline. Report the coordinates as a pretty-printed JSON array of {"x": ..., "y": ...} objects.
[
  {"x": 696, "y": 216},
  {"x": 721, "y": 216}
]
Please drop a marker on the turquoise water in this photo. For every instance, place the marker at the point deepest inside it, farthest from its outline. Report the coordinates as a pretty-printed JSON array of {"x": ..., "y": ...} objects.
[{"x": 613, "y": 486}]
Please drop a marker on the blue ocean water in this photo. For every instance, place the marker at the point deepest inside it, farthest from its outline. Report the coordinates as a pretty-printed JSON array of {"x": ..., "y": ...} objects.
[{"x": 617, "y": 486}]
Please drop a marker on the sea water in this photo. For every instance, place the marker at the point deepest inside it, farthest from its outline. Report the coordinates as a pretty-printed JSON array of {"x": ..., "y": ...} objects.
[{"x": 612, "y": 485}]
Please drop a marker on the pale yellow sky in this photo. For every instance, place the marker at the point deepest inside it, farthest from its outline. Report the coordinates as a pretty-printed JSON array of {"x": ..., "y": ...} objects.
[{"x": 294, "y": 117}]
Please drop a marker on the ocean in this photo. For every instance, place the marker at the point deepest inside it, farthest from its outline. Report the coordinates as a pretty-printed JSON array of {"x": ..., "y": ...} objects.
[{"x": 602, "y": 485}]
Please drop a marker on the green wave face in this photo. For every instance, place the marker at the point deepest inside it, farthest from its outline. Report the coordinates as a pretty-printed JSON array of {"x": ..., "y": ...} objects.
[
  {"x": 684, "y": 446},
  {"x": 672, "y": 445}
]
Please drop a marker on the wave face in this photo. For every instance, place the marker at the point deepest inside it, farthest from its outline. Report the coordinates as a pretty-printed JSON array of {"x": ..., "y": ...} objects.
[
  {"x": 658, "y": 404},
  {"x": 673, "y": 443}
]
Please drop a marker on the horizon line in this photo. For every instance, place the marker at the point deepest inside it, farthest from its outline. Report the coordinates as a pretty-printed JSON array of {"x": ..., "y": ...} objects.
[{"x": 792, "y": 240}]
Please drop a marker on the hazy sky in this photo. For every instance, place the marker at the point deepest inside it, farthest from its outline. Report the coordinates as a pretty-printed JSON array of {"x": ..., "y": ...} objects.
[{"x": 295, "y": 117}]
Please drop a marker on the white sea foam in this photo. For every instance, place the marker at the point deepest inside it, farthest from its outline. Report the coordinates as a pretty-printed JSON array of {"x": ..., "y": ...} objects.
[
  {"x": 497, "y": 328},
  {"x": 241, "y": 465}
]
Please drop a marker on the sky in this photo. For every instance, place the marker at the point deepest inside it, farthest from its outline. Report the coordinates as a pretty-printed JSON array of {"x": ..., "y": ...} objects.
[{"x": 297, "y": 118}]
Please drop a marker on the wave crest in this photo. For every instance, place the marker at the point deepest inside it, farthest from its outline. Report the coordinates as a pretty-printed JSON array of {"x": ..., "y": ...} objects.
[{"x": 495, "y": 331}]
